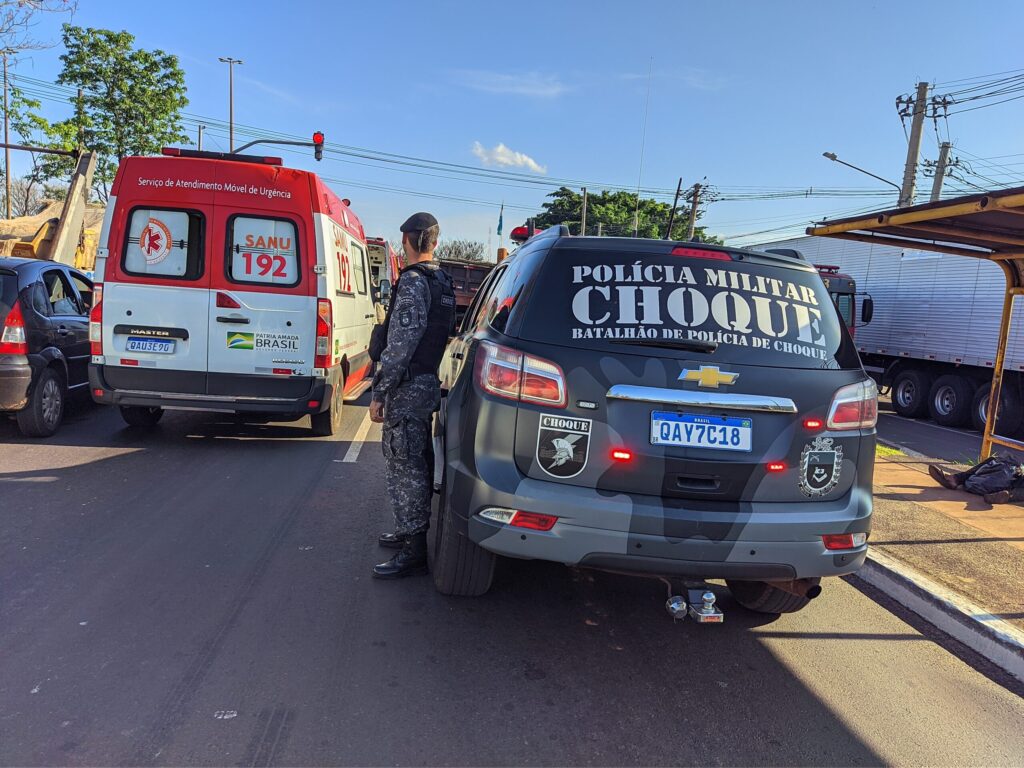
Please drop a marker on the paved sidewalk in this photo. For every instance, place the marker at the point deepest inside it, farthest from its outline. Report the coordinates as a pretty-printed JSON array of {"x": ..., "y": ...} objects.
[{"x": 952, "y": 537}]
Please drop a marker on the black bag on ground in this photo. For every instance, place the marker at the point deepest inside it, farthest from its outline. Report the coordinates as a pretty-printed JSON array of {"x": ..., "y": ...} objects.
[{"x": 999, "y": 473}]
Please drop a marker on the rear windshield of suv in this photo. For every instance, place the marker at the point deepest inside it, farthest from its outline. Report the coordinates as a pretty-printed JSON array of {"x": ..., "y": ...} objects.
[{"x": 741, "y": 309}]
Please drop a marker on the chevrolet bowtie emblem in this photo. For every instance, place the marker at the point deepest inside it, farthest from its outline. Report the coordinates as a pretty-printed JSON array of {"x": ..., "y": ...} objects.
[{"x": 708, "y": 376}]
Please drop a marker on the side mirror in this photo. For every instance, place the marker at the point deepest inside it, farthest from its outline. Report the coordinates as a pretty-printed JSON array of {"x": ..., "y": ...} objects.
[
  {"x": 867, "y": 310},
  {"x": 385, "y": 291}
]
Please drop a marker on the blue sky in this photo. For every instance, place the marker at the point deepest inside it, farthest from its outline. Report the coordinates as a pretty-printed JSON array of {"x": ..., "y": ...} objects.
[{"x": 747, "y": 94}]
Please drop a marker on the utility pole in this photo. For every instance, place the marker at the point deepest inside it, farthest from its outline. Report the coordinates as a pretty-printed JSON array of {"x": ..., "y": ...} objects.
[
  {"x": 694, "y": 202},
  {"x": 231, "y": 98},
  {"x": 7, "y": 149},
  {"x": 940, "y": 170},
  {"x": 600, "y": 226},
  {"x": 908, "y": 189},
  {"x": 583, "y": 217},
  {"x": 200, "y": 144},
  {"x": 672, "y": 213}
]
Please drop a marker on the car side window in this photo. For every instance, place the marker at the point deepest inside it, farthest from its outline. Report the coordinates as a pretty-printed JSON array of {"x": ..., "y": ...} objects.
[
  {"x": 472, "y": 318},
  {"x": 84, "y": 288},
  {"x": 359, "y": 266},
  {"x": 60, "y": 294},
  {"x": 38, "y": 298}
]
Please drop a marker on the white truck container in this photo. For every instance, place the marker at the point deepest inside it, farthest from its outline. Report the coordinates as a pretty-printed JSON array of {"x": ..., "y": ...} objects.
[{"x": 933, "y": 336}]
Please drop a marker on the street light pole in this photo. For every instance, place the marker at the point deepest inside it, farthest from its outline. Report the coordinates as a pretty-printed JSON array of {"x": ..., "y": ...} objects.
[
  {"x": 832, "y": 156},
  {"x": 7, "y": 149},
  {"x": 231, "y": 98}
]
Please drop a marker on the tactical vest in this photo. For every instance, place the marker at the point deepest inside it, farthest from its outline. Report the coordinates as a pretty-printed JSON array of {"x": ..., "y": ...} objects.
[{"x": 440, "y": 320}]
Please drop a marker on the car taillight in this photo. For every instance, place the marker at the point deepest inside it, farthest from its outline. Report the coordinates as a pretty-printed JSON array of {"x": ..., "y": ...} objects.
[
  {"x": 855, "y": 406},
  {"x": 844, "y": 540},
  {"x": 324, "y": 331},
  {"x": 13, "y": 340},
  {"x": 96, "y": 321},
  {"x": 700, "y": 253},
  {"x": 509, "y": 373}
]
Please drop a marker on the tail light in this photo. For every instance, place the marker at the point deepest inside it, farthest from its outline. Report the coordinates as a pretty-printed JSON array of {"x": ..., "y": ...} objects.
[
  {"x": 324, "y": 331},
  {"x": 511, "y": 374},
  {"x": 855, "y": 406},
  {"x": 96, "y": 321},
  {"x": 519, "y": 519},
  {"x": 844, "y": 540},
  {"x": 13, "y": 340},
  {"x": 700, "y": 253}
]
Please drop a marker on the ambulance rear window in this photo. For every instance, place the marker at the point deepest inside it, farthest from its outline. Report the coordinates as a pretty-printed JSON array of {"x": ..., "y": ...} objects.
[
  {"x": 164, "y": 242},
  {"x": 263, "y": 251}
]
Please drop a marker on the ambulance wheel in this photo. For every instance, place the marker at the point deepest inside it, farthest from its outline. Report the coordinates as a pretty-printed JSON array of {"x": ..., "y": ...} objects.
[
  {"x": 949, "y": 402},
  {"x": 1010, "y": 411},
  {"x": 327, "y": 423},
  {"x": 141, "y": 416},
  {"x": 460, "y": 567},
  {"x": 910, "y": 393},
  {"x": 762, "y": 597}
]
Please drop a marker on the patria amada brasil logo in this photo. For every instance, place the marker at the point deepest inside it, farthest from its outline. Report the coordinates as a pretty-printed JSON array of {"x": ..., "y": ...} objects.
[{"x": 237, "y": 340}]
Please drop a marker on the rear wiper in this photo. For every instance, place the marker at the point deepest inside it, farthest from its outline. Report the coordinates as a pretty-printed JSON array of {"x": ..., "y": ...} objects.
[{"x": 691, "y": 345}]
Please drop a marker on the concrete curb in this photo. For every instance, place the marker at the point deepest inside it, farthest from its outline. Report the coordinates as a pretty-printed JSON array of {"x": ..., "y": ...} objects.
[{"x": 998, "y": 641}]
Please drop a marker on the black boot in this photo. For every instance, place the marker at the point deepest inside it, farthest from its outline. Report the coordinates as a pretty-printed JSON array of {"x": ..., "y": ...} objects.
[
  {"x": 945, "y": 478},
  {"x": 1010, "y": 495},
  {"x": 392, "y": 540},
  {"x": 410, "y": 561}
]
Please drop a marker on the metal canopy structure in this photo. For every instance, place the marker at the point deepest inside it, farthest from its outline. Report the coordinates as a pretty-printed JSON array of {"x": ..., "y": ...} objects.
[{"x": 988, "y": 225}]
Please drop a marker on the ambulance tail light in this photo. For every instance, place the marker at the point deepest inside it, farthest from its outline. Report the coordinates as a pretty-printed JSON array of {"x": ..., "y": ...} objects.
[
  {"x": 324, "y": 331},
  {"x": 510, "y": 374},
  {"x": 13, "y": 340},
  {"x": 96, "y": 321},
  {"x": 855, "y": 406}
]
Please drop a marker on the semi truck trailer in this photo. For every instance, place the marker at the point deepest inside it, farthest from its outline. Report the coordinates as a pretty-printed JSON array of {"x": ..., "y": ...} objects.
[{"x": 933, "y": 334}]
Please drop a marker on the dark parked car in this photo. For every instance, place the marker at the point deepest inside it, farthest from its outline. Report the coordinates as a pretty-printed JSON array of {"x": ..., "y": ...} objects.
[
  {"x": 44, "y": 340},
  {"x": 660, "y": 408}
]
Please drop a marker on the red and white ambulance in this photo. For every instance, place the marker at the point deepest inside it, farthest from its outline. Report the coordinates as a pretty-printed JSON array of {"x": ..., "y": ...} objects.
[{"x": 229, "y": 283}]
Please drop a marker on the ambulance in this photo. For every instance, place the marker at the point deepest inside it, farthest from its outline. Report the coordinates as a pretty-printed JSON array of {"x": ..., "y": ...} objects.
[{"x": 229, "y": 283}]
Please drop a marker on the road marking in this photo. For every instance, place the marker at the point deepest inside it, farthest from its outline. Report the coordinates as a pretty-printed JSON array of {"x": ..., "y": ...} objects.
[{"x": 352, "y": 454}]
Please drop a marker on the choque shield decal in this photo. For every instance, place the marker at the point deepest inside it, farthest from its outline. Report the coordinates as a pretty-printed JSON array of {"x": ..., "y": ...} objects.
[
  {"x": 820, "y": 465},
  {"x": 563, "y": 445}
]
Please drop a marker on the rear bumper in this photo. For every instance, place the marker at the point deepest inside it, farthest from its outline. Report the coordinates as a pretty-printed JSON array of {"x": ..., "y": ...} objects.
[
  {"x": 757, "y": 540},
  {"x": 15, "y": 382},
  {"x": 315, "y": 399}
]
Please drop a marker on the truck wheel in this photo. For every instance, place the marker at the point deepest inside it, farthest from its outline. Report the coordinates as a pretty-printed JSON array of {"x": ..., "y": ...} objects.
[
  {"x": 459, "y": 566},
  {"x": 949, "y": 402},
  {"x": 762, "y": 597},
  {"x": 141, "y": 416},
  {"x": 1010, "y": 410},
  {"x": 910, "y": 391},
  {"x": 327, "y": 423},
  {"x": 45, "y": 410}
]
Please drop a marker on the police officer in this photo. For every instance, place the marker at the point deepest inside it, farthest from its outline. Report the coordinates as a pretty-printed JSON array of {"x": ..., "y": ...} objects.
[{"x": 407, "y": 392}]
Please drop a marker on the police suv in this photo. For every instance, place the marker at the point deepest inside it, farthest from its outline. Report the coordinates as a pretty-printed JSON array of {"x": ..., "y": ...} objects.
[
  {"x": 660, "y": 408},
  {"x": 227, "y": 282}
]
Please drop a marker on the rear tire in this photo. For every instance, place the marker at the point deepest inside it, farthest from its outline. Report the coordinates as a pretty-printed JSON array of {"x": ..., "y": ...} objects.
[
  {"x": 328, "y": 423},
  {"x": 950, "y": 398},
  {"x": 459, "y": 567},
  {"x": 1010, "y": 411},
  {"x": 142, "y": 417},
  {"x": 45, "y": 410},
  {"x": 762, "y": 597},
  {"x": 910, "y": 391}
]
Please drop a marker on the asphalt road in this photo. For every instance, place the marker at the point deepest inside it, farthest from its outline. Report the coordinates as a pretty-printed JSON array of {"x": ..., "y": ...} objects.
[{"x": 199, "y": 595}]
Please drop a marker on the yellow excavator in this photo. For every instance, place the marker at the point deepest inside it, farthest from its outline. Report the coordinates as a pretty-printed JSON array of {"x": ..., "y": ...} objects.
[{"x": 67, "y": 237}]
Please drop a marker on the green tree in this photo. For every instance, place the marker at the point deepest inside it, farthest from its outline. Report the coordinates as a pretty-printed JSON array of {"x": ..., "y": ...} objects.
[
  {"x": 460, "y": 250},
  {"x": 131, "y": 104},
  {"x": 614, "y": 211}
]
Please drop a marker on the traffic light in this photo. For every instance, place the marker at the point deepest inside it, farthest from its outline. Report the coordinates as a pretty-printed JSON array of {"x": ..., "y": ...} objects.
[{"x": 318, "y": 145}]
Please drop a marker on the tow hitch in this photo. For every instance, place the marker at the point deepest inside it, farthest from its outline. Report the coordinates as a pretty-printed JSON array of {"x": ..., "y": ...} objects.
[{"x": 699, "y": 603}]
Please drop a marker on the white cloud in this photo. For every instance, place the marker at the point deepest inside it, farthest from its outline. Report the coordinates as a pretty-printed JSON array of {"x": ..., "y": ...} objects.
[
  {"x": 535, "y": 84},
  {"x": 692, "y": 77},
  {"x": 503, "y": 156}
]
